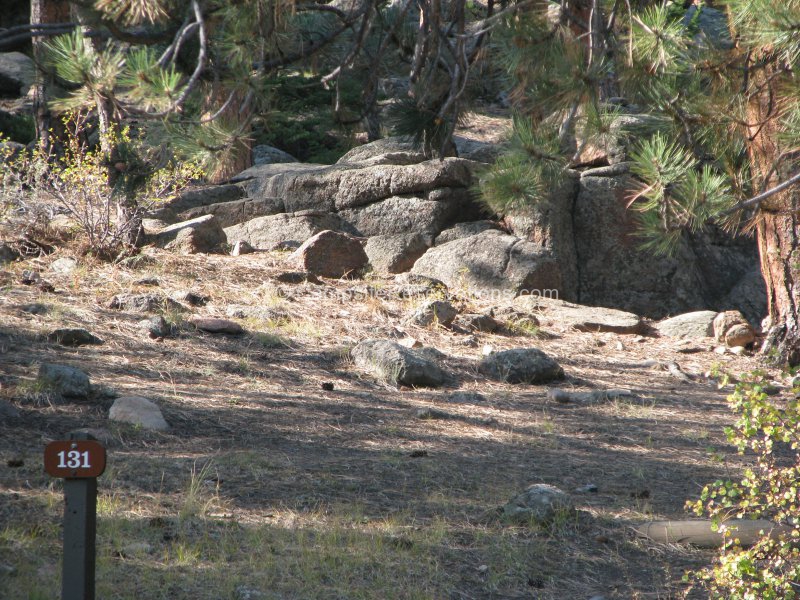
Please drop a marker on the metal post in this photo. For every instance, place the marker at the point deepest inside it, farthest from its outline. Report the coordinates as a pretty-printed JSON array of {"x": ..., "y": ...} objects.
[{"x": 80, "y": 528}]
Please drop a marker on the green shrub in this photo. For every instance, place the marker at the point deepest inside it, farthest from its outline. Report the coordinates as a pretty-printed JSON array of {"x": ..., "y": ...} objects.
[
  {"x": 35, "y": 187},
  {"x": 769, "y": 489}
]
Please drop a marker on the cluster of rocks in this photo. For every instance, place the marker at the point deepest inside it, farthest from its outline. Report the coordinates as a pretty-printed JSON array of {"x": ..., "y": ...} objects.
[
  {"x": 394, "y": 211},
  {"x": 64, "y": 383},
  {"x": 730, "y": 327}
]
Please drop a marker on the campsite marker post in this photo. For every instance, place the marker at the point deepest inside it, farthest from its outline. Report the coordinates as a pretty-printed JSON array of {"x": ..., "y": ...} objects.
[{"x": 79, "y": 461}]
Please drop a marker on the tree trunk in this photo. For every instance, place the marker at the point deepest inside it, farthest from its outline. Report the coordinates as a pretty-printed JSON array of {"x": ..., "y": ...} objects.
[
  {"x": 777, "y": 228},
  {"x": 44, "y": 12}
]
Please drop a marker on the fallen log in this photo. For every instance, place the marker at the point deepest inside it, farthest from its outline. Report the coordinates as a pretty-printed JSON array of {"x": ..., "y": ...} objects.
[{"x": 699, "y": 533}]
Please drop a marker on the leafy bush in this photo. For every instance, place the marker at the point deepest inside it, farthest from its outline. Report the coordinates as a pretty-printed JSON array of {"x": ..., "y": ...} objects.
[
  {"x": 35, "y": 187},
  {"x": 770, "y": 489}
]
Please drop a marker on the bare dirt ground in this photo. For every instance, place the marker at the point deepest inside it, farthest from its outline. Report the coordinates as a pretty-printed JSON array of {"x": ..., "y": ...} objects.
[{"x": 269, "y": 486}]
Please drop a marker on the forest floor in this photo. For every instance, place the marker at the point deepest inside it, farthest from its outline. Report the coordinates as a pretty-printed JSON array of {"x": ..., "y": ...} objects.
[{"x": 269, "y": 486}]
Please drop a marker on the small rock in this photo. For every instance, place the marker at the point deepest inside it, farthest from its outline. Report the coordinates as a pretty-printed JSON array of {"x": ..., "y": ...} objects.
[
  {"x": 395, "y": 364},
  {"x": 137, "y": 410},
  {"x": 286, "y": 246},
  {"x": 331, "y": 254},
  {"x": 46, "y": 286},
  {"x": 739, "y": 335},
  {"x": 30, "y": 277},
  {"x": 148, "y": 281},
  {"x": 191, "y": 298},
  {"x": 469, "y": 340},
  {"x": 203, "y": 234},
  {"x": 246, "y": 593},
  {"x": 144, "y": 303},
  {"x": 410, "y": 342},
  {"x": 540, "y": 504},
  {"x": 466, "y": 397},
  {"x": 438, "y": 312},
  {"x": 738, "y": 350},
  {"x": 412, "y": 285},
  {"x": 725, "y": 320},
  {"x": 295, "y": 277},
  {"x": 157, "y": 327},
  {"x": 327, "y": 386},
  {"x": 7, "y": 411},
  {"x": 213, "y": 325},
  {"x": 521, "y": 365},
  {"x": 431, "y": 414},
  {"x": 35, "y": 308},
  {"x": 482, "y": 323},
  {"x": 64, "y": 265},
  {"x": 135, "y": 549},
  {"x": 587, "y": 489},
  {"x": 242, "y": 247},
  {"x": 64, "y": 380},
  {"x": 8, "y": 254},
  {"x": 73, "y": 337},
  {"x": 720, "y": 350}
]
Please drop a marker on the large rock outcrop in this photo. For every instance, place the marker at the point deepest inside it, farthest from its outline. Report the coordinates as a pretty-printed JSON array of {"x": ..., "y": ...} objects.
[{"x": 491, "y": 261}]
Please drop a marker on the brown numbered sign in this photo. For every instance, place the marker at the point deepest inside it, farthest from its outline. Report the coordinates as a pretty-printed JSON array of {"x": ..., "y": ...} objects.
[{"x": 75, "y": 459}]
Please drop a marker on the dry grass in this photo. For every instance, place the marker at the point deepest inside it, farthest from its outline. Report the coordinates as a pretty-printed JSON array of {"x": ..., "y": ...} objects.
[{"x": 268, "y": 482}]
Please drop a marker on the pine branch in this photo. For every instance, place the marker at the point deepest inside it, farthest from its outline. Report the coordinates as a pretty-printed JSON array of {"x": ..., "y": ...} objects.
[{"x": 757, "y": 200}]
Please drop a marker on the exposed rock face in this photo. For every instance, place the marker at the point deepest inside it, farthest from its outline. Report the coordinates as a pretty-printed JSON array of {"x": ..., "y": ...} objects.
[
  {"x": 402, "y": 214},
  {"x": 197, "y": 197},
  {"x": 698, "y": 324},
  {"x": 550, "y": 225},
  {"x": 462, "y": 230},
  {"x": 17, "y": 74},
  {"x": 267, "y": 155},
  {"x": 203, "y": 234},
  {"x": 395, "y": 253},
  {"x": 398, "y": 150},
  {"x": 331, "y": 254},
  {"x": 491, "y": 260},
  {"x": 341, "y": 186},
  {"x": 614, "y": 271},
  {"x": 233, "y": 212},
  {"x": 266, "y": 232},
  {"x": 393, "y": 363},
  {"x": 566, "y": 315},
  {"x": 521, "y": 365}
]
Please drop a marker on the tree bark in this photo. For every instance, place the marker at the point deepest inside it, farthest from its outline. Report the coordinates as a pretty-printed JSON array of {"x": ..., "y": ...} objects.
[
  {"x": 44, "y": 12},
  {"x": 777, "y": 228}
]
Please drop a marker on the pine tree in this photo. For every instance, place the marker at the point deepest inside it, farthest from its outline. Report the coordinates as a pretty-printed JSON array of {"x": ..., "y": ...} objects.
[{"x": 726, "y": 121}]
